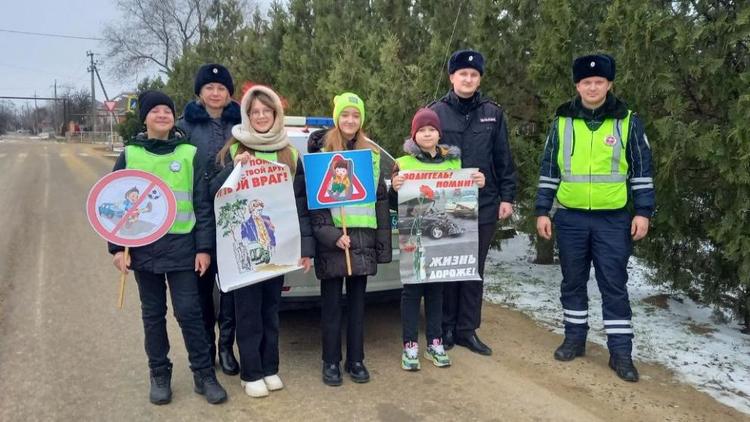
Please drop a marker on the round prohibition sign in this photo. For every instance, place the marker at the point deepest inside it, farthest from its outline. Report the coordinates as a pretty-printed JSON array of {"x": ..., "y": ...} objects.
[{"x": 131, "y": 208}]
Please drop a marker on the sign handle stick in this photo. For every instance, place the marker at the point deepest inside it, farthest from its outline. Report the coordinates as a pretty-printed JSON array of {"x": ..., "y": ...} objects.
[
  {"x": 346, "y": 250},
  {"x": 122, "y": 280}
]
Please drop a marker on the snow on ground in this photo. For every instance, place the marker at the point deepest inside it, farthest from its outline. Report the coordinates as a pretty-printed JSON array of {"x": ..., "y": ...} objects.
[{"x": 670, "y": 329}]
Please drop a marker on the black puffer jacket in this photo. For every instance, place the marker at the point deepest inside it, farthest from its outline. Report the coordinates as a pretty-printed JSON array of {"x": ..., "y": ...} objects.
[
  {"x": 208, "y": 134},
  {"x": 369, "y": 247},
  {"x": 219, "y": 175},
  {"x": 478, "y": 127},
  {"x": 174, "y": 252}
]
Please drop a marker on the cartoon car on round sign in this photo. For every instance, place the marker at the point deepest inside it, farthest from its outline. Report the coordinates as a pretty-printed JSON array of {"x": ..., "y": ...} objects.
[{"x": 110, "y": 210}]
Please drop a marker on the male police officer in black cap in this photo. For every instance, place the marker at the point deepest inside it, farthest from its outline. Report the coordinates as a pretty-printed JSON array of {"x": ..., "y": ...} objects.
[
  {"x": 596, "y": 161},
  {"x": 477, "y": 126}
]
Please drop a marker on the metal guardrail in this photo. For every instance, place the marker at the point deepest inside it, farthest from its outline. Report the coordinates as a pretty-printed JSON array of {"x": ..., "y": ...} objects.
[{"x": 94, "y": 138}]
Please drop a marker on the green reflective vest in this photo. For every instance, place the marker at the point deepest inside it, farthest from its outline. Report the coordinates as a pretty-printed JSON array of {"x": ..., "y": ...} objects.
[
  {"x": 359, "y": 215},
  {"x": 593, "y": 164},
  {"x": 176, "y": 170},
  {"x": 408, "y": 162}
]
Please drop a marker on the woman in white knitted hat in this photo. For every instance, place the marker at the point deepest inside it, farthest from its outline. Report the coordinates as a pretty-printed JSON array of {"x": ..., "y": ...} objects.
[{"x": 262, "y": 134}]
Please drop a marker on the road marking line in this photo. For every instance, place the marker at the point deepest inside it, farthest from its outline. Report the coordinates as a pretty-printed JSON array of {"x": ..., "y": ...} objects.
[
  {"x": 82, "y": 170},
  {"x": 83, "y": 154},
  {"x": 3, "y": 154},
  {"x": 41, "y": 281}
]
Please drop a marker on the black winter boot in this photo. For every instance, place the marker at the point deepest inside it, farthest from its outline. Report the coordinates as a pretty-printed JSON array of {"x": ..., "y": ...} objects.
[
  {"x": 570, "y": 349},
  {"x": 357, "y": 372},
  {"x": 473, "y": 343},
  {"x": 623, "y": 366},
  {"x": 449, "y": 340},
  {"x": 227, "y": 361},
  {"x": 331, "y": 374},
  {"x": 161, "y": 390},
  {"x": 206, "y": 384}
]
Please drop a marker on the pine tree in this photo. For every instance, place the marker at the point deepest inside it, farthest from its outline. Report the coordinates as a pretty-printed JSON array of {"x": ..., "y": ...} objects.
[
  {"x": 685, "y": 69},
  {"x": 682, "y": 65}
]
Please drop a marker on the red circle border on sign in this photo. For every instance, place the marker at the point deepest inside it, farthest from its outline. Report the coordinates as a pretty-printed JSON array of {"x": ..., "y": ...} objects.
[{"x": 117, "y": 240}]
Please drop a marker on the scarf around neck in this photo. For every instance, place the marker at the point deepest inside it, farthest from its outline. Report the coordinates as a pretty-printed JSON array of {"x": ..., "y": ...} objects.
[{"x": 276, "y": 137}]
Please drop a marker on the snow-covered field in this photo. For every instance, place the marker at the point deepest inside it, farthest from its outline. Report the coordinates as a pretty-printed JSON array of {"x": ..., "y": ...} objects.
[{"x": 670, "y": 329}]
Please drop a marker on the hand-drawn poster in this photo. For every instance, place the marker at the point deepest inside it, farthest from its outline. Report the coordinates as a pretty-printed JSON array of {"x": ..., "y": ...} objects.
[{"x": 257, "y": 228}]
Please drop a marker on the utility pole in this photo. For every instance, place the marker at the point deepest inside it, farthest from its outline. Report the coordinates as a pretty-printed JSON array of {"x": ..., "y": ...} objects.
[
  {"x": 54, "y": 112},
  {"x": 112, "y": 113},
  {"x": 92, "y": 68},
  {"x": 36, "y": 116}
]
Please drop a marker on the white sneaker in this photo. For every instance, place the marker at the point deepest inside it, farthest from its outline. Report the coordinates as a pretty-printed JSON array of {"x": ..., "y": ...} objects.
[
  {"x": 255, "y": 388},
  {"x": 273, "y": 383}
]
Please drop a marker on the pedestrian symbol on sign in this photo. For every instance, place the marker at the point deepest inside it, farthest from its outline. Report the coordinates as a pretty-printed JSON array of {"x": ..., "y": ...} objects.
[{"x": 132, "y": 103}]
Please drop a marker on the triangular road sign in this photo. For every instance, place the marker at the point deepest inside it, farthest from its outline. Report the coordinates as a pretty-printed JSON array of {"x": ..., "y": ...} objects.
[{"x": 330, "y": 194}]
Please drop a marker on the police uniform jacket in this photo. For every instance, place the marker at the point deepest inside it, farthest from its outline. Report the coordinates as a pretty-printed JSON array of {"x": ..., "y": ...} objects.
[
  {"x": 638, "y": 155},
  {"x": 207, "y": 134},
  {"x": 477, "y": 126}
]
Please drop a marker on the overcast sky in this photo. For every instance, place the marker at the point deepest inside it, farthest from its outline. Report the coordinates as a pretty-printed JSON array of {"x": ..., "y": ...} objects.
[{"x": 31, "y": 63}]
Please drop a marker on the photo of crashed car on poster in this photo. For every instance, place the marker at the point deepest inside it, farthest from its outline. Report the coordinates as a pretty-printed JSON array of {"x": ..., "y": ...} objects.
[{"x": 437, "y": 224}]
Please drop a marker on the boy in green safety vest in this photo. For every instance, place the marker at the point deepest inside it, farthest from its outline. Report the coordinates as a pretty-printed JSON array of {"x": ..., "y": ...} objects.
[
  {"x": 423, "y": 152},
  {"x": 178, "y": 257},
  {"x": 596, "y": 161}
]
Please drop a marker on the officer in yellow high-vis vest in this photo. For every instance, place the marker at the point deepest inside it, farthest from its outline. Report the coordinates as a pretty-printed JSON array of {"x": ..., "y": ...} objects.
[
  {"x": 179, "y": 257},
  {"x": 596, "y": 162}
]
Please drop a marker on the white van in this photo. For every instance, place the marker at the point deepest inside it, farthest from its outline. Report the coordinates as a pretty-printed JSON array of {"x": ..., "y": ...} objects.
[{"x": 303, "y": 290}]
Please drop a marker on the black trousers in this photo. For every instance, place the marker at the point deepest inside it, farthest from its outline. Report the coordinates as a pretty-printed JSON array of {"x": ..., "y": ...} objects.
[
  {"x": 602, "y": 238},
  {"x": 462, "y": 300},
  {"x": 183, "y": 288},
  {"x": 257, "y": 310},
  {"x": 411, "y": 296},
  {"x": 331, "y": 314},
  {"x": 226, "y": 320}
]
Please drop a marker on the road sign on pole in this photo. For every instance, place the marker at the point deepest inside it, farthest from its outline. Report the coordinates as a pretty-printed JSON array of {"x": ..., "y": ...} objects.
[{"x": 110, "y": 105}]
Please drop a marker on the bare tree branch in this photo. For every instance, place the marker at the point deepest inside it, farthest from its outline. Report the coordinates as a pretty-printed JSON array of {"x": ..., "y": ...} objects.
[{"x": 153, "y": 33}]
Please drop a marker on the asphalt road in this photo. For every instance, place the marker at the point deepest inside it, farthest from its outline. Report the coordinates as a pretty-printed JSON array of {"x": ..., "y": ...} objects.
[{"x": 67, "y": 352}]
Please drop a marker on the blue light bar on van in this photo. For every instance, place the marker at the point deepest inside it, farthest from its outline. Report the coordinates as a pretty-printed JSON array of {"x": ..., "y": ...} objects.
[
  {"x": 300, "y": 121},
  {"x": 319, "y": 121}
]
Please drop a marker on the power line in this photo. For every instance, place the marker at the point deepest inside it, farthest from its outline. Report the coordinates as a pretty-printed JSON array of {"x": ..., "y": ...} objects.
[
  {"x": 40, "y": 34},
  {"x": 447, "y": 49},
  {"x": 38, "y": 70}
]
